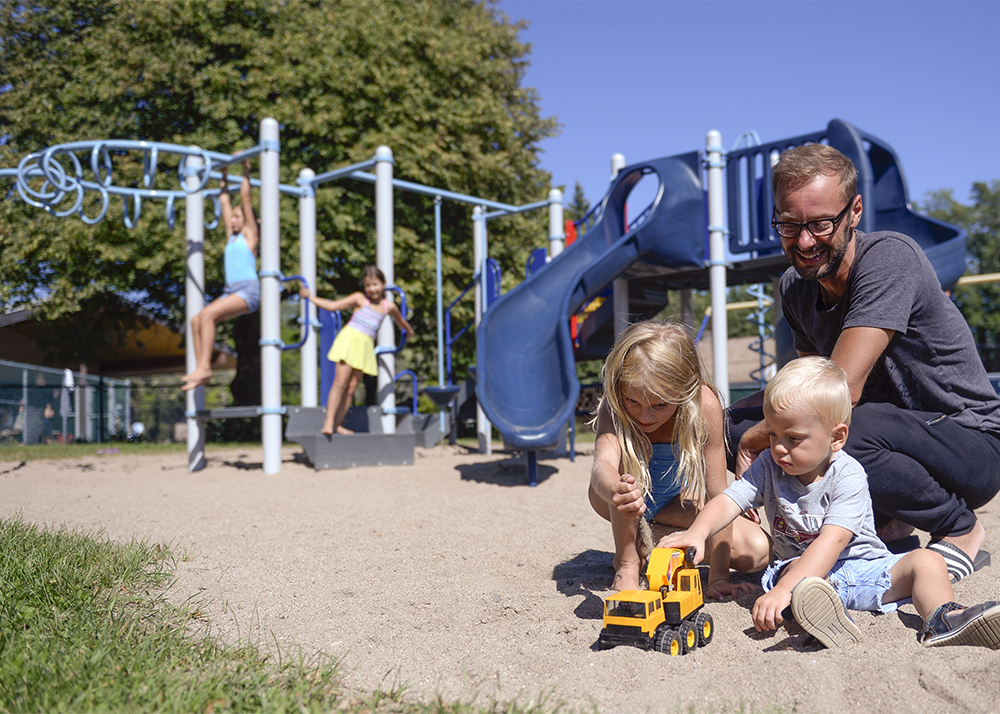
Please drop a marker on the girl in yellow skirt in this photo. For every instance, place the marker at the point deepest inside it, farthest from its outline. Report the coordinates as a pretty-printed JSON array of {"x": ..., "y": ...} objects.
[{"x": 353, "y": 350}]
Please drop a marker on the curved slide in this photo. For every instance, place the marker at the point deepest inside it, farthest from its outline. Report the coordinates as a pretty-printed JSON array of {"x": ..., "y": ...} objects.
[{"x": 526, "y": 371}]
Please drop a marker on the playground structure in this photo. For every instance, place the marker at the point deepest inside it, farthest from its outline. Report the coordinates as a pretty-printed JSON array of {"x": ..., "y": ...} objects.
[
  {"x": 61, "y": 175},
  {"x": 526, "y": 385},
  {"x": 529, "y": 388}
]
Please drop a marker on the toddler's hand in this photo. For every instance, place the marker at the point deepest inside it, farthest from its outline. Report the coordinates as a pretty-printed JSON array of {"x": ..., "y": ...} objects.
[
  {"x": 768, "y": 608},
  {"x": 684, "y": 540},
  {"x": 303, "y": 292},
  {"x": 628, "y": 498}
]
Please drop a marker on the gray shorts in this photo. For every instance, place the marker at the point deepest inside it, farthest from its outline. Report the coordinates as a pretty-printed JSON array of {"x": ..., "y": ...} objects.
[{"x": 249, "y": 290}]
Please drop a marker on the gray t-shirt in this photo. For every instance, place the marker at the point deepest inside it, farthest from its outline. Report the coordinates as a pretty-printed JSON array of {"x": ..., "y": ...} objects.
[
  {"x": 796, "y": 513},
  {"x": 931, "y": 363}
]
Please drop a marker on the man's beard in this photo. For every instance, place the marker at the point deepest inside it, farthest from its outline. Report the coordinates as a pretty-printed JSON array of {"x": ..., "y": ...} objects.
[{"x": 834, "y": 257}]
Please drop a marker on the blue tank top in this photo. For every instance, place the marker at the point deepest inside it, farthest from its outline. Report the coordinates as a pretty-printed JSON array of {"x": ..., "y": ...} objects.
[
  {"x": 666, "y": 482},
  {"x": 241, "y": 263}
]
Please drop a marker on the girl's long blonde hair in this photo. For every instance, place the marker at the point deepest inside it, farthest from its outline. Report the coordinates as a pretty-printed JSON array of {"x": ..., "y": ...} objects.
[{"x": 661, "y": 359}]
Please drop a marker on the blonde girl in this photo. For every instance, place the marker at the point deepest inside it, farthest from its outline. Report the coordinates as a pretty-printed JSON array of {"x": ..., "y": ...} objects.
[{"x": 660, "y": 454}]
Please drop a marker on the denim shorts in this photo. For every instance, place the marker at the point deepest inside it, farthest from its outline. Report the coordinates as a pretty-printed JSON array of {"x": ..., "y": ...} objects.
[
  {"x": 249, "y": 290},
  {"x": 861, "y": 584}
]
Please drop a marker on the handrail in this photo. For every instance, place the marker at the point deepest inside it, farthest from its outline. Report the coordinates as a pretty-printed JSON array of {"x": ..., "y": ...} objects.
[
  {"x": 402, "y": 335},
  {"x": 412, "y": 375},
  {"x": 305, "y": 313},
  {"x": 448, "y": 339}
]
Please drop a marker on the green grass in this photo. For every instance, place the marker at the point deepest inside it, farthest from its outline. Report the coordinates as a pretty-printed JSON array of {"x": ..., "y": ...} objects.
[
  {"x": 19, "y": 452},
  {"x": 85, "y": 627}
]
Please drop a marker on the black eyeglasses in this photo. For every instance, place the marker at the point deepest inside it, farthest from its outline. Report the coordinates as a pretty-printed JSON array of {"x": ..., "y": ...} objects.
[{"x": 819, "y": 228}]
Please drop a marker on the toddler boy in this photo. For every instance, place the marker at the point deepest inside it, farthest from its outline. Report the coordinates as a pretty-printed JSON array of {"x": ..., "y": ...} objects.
[{"x": 826, "y": 553}]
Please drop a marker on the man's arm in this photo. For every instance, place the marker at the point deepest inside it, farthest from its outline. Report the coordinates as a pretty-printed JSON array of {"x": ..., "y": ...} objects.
[{"x": 856, "y": 351}]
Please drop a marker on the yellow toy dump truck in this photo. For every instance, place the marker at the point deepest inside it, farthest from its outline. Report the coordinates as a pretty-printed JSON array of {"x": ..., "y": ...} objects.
[{"x": 669, "y": 617}]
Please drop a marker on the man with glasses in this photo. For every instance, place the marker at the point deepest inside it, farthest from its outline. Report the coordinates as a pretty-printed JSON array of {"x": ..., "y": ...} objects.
[{"x": 926, "y": 420}]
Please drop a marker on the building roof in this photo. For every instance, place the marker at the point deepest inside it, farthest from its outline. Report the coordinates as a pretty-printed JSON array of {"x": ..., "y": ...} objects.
[{"x": 152, "y": 348}]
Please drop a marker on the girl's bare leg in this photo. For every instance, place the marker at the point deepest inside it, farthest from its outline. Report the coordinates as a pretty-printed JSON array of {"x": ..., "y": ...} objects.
[
  {"x": 345, "y": 403},
  {"x": 625, "y": 531},
  {"x": 337, "y": 396},
  {"x": 203, "y": 335}
]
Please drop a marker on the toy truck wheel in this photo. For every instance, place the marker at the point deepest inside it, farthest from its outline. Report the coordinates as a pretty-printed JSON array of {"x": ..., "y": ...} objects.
[
  {"x": 705, "y": 627},
  {"x": 688, "y": 633},
  {"x": 668, "y": 642},
  {"x": 603, "y": 644}
]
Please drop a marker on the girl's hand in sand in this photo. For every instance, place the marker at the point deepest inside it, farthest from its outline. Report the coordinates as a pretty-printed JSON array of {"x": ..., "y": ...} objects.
[
  {"x": 628, "y": 497},
  {"x": 723, "y": 588}
]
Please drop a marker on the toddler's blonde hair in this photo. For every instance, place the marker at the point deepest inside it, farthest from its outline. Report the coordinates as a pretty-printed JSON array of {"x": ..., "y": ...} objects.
[
  {"x": 814, "y": 382},
  {"x": 659, "y": 358}
]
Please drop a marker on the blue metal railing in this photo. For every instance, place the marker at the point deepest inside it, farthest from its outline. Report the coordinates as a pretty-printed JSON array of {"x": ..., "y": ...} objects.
[
  {"x": 490, "y": 294},
  {"x": 402, "y": 335}
]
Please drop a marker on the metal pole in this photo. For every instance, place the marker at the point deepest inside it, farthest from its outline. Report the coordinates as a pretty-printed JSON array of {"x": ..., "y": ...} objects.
[
  {"x": 194, "y": 301},
  {"x": 619, "y": 288},
  {"x": 307, "y": 269},
  {"x": 557, "y": 231},
  {"x": 270, "y": 296},
  {"x": 440, "y": 304},
  {"x": 717, "y": 263},
  {"x": 384, "y": 260},
  {"x": 484, "y": 430}
]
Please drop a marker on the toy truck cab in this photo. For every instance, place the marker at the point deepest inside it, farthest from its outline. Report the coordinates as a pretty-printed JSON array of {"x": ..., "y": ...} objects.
[{"x": 667, "y": 617}]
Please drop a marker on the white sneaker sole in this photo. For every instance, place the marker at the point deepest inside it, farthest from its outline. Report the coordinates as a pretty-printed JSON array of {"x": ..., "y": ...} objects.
[{"x": 817, "y": 607}]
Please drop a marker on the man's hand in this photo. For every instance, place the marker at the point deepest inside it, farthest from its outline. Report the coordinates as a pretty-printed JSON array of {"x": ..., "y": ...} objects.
[{"x": 754, "y": 440}]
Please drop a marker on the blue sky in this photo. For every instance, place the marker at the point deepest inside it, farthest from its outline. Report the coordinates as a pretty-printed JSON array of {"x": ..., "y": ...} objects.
[{"x": 651, "y": 78}]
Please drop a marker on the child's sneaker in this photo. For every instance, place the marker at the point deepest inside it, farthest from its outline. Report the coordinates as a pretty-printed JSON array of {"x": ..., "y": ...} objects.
[
  {"x": 817, "y": 607},
  {"x": 978, "y": 626}
]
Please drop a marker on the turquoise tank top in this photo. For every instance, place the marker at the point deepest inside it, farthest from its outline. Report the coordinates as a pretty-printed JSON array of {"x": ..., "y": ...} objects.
[
  {"x": 666, "y": 482},
  {"x": 241, "y": 263}
]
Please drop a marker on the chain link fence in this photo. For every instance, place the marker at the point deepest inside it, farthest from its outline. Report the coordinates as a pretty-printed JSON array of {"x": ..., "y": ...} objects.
[{"x": 42, "y": 405}]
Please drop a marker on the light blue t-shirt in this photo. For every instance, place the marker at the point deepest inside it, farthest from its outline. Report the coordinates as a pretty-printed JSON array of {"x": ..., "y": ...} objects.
[
  {"x": 665, "y": 480},
  {"x": 796, "y": 513}
]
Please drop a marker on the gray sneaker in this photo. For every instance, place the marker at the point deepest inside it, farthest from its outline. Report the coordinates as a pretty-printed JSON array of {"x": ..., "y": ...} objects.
[
  {"x": 817, "y": 607},
  {"x": 978, "y": 626}
]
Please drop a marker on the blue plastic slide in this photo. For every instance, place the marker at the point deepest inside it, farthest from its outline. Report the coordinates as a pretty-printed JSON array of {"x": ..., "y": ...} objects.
[{"x": 526, "y": 375}]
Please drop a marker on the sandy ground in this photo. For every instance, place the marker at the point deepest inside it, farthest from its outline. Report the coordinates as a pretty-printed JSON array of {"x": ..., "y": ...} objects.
[{"x": 455, "y": 579}]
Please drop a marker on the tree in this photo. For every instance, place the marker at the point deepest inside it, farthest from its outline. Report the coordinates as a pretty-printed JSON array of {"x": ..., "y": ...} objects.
[
  {"x": 579, "y": 206},
  {"x": 979, "y": 303},
  {"x": 438, "y": 81}
]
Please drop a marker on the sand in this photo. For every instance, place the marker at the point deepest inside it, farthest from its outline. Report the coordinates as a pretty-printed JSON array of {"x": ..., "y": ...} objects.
[{"x": 454, "y": 579}]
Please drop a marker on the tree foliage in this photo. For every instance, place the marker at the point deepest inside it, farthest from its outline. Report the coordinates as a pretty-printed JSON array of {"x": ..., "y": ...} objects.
[
  {"x": 979, "y": 303},
  {"x": 438, "y": 81},
  {"x": 578, "y": 206}
]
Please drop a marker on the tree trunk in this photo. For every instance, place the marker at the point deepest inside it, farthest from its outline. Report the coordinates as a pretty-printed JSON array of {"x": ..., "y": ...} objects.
[{"x": 246, "y": 384}]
